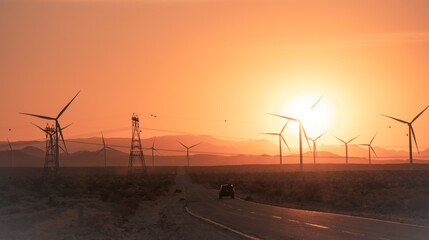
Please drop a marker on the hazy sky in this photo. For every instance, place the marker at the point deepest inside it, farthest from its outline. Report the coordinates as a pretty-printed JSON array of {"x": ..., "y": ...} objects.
[{"x": 196, "y": 63}]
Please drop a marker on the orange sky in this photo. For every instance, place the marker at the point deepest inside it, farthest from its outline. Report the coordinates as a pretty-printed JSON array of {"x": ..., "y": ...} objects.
[{"x": 196, "y": 63}]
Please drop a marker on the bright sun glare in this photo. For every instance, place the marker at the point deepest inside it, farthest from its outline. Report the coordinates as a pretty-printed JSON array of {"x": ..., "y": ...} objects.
[{"x": 317, "y": 120}]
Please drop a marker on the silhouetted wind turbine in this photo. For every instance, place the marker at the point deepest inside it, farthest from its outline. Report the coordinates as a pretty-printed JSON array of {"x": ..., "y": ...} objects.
[
  {"x": 187, "y": 149},
  {"x": 280, "y": 141},
  {"x": 11, "y": 152},
  {"x": 314, "y": 146},
  {"x": 104, "y": 150},
  {"x": 301, "y": 129},
  {"x": 154, "y": 149},
  {"x": 347, "y": 149},
  {"x": 410, "y": 132},
  {"x": 57, "y": 129},
  {"x": 370, "y": 149}
]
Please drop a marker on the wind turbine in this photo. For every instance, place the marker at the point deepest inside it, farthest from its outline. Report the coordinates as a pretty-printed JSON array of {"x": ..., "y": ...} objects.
[
  {"x": 301, "y": 129},
  {"x": 314, "y": 146},
  {"x": 154, "y": 149},
  {"x": 104, "y": 149},
  {"x": 187, "y": 149},
  {"x": 347, "y": 148},
  {"x": 410, "y": 132},
  {"x": 11, "y": 152},
  {"x": 280, "y": 141},
  {"x": 370, "y": 149},
  {"x": 57, "y": 131}
]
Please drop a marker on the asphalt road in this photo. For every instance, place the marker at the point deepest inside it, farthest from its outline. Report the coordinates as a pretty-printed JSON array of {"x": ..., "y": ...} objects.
[{"x": 270, "y": 222}]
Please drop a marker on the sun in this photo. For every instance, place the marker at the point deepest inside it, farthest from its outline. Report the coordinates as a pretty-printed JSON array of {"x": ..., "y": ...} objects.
[{"x": 316, "y": 120}]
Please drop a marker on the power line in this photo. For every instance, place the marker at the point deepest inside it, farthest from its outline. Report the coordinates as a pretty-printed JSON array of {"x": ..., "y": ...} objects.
[
  {"x": 161, "y": 130},
  {"x": 228, "y": 153},
  {"x": 199, "y": 152},
  {"x": 160, "y": 149}
]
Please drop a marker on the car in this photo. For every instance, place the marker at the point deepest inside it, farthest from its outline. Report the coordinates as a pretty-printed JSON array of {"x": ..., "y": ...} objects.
[{"x": 226, "y": 190}]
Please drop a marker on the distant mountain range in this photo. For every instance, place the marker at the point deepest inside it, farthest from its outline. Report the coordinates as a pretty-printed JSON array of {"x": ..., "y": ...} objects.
[
  {"x": 211, "y": 151},
  {"x": 208, "y": 144}
]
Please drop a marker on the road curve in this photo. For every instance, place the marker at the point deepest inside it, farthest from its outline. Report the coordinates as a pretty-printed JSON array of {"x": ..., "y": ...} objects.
[{"x": 271, "y": 222}]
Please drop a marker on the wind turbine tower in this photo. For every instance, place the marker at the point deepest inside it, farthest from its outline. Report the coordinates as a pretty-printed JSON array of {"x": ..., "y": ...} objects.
[
  {"x": 410, "y": 132},
  {"x": 136, "y": 152},
  {"x": 153, "y": 149},
  {"x": 280, "y": 141},
  {"x": 370, "y": 148},
  {"x": 347, "y": 148},
  {"x": 187, "y": 149},
  {"x": 11, "y": 153},
  {"x": 104, "y": 150},
  {"x": 58, "y": 133},
  {"x": 314, "y": 146}
]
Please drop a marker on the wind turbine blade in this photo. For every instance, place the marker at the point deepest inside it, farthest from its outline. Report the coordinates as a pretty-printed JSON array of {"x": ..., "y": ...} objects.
[
  {"x": 399, "y": 120},
  {"x": 271, "y": 133},
  {"x": 311, "y": 139},
  {"x": 102, "y": 138},
  {"x": 284, "y": 140},
  {"x": 373, "y": 151},
  {"x": 66, "y": 126},
  {"x": 10, "y": 145},
  {"x": 99, "y": 151},
  {"x": 284, "y": 127},
  {"x": 182, "y": 144},
  {"x": 320, "y": 136},
  {"x": 341, "y": 140},
  {"x": 40, "y": 128},
  {"x": 289, "y": 118},
  {"x": 63, "y": 149},
  {"x": 62, "y": 111},
  {"x": 373, "y": 138},
  {"x": 419, "y": 114},
  {"x": 353, "y": 139},
  {"x": 39, "y": 116},
  {"x": 61, "y": 134},
  {"x": 306, "y": 138},
  {"x": 316, "y": 102},
  {"x": 415, "y": 140},
  {"x": 194, "y": 145},
  {"x": 109, "y": 148}
]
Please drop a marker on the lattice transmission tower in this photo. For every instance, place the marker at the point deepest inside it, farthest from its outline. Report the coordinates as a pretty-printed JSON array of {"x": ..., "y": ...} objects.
[
  {"x": 51, "y": 163},
  {"x": 136, "y": 152}
]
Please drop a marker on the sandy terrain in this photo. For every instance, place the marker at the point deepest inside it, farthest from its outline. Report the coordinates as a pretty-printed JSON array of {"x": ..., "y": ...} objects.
[{"x": 26, "y": 215}]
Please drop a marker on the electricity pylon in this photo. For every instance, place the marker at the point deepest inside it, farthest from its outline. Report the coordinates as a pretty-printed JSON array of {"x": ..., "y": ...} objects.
[{"x": 136, "y": 152}]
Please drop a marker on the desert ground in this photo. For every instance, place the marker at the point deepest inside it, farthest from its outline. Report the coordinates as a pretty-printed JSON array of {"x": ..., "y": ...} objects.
[
  {"x": 114, "y": 206},
  {"x": 98, "y": 203}
]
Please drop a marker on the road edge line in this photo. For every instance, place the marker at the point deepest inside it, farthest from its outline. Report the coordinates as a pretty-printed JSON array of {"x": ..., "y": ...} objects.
[
  {"x": 220, "y": 225},
  {"x": 339, "y": 214}
]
